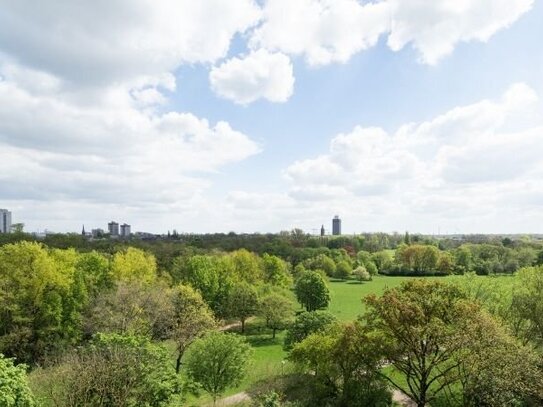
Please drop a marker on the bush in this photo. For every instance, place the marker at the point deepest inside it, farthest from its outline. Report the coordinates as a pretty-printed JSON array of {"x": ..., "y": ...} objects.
[
  {"x": 305, "y": 324},
  {"x": 362, "y": 274},
  {"x": 14, "y": 390}
]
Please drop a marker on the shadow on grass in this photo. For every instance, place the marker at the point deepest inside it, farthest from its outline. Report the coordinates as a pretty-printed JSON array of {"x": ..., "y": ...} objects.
[{"x": 262, "y": 340}]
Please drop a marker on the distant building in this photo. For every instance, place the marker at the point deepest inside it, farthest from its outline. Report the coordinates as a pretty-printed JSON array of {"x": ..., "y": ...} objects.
[
  {"x": 322, "y": 230},
  {"x": 336, "y": 226},
  {"x": 113, "y": 228},
  {"x": 5, "y": 221},
  {"x": 125, "y": 230}
]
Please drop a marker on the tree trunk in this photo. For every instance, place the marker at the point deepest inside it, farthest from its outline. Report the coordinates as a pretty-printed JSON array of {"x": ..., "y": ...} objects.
[
  {"x": 178, "y": 362},
  {"x": 243, "y": 326},
  {"x": 273, "y": 333}
]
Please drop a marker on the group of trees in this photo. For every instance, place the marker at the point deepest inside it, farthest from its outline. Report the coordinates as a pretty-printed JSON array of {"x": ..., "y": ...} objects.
[
  {"x": 433, "y": 341},
  {"x": 92, "y": 325}
]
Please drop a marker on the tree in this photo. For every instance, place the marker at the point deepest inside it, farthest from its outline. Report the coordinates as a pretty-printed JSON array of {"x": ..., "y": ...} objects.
[
  {"x": 217, "y": 361},
  {"x": 362, "y": 274},
  {"x": 243, "y": 302},
  {"x": 323, "y": 262},
  {"x": 41, "y": 298},
  {"x": 134, "y": 265},
  {"x": 342, "y": 366},
  {"x": 132, "y": 308},
  {"x": 113, "y": 370},
  {"x": 311, "y": 291},
  {"x": 14, "y": 390},
  {"x": 247, "y": 266},
  {"x": 202, "y": 273},
  {"x": 383, "y": 260},
  {"x": 305, "y": 324},
  {"x": 276, "y": 311},
  {"x": 526, "y": 313},
  {"x": 276, "y": 271},
  {"x": 192, "y": 319},
  {"x": 417, "y": 325},
  {"x": 343, "y": 270}
]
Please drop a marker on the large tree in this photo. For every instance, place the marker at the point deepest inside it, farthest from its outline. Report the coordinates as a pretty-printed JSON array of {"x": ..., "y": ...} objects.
[
  {"x": 429, "y": 331},
  {"x": 276, "y": 310},
  {"x": 311, "y": 291},
  {"x": 243, "y": 302},
  {"x": 341, "y": 367},
  {"x": 41, "y": 298},
  {"x": 218, "y": 361},
  {"x": 417, "y": 325},
  {"x": 192, "y": 318}
]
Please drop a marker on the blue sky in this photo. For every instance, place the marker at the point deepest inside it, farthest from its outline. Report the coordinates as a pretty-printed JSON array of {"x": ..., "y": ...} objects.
[{"x": 119, "y": 121}]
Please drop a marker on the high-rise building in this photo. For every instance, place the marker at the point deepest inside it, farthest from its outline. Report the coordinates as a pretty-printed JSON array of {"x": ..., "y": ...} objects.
[
  {"x": 336, "y": 226},
  {"x": 113, "y": 228},
  {"x": 322, "y": 230},
  {"x": 5, "y": 221},
  {"x": 125, "y": 230}
]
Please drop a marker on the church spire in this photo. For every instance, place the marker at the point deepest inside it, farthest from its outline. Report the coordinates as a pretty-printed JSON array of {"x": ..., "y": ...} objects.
[{"x": 83, "y": 231}]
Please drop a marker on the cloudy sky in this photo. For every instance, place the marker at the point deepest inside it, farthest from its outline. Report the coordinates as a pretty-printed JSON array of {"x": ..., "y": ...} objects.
[{"x": 243, "y": 115}]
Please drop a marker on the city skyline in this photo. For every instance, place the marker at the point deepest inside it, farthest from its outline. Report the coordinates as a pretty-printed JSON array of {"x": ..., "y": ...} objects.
[{"x": 397, "y": 117}]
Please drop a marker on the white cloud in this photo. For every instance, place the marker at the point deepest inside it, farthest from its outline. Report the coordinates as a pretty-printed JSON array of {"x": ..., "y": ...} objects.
[
  {"x": 434, "y": 28},
  {"x": 323, "y": 31},
  {"x": 102, "y": 41},
  {"x": 260, "y": 74},
  {"x": 326, "y": 31},
  {"x": 468, "y": 158}
]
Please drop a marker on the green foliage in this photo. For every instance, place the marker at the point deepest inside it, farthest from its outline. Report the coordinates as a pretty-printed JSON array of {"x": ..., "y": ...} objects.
[
  {"x": 114, "y": 370},
  {"x": 247, "y": 266},
  {"x": 344, "y": 366},
  {"x": 437, "y": 338},
  {"x": 192, "y": 318},
  {"x": 14, "y": 390},
  {"x": 305, "y": 324},
  {"x": 311, "y": 291},
  {"x": 243, "y": 302},
  {"x": 201, "y": 272},
  {"x": 343, "y": 270},
  {"x": 526, "y": 314},
  {"x": 361, "y": 274},
  {"x": 132, "y": 308},
  {"x": 41, "y": 296},
  {"x": 217, "y": 361},
  {"x": 276, "y": 310},
  {"x": 324, "y": 263},
  {"x": 276, "y": 271},
  {"x": 134, "y": 265}
]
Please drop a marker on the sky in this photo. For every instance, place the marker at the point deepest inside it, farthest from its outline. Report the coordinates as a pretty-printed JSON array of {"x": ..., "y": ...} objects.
[{"x": 262, "y": 116}]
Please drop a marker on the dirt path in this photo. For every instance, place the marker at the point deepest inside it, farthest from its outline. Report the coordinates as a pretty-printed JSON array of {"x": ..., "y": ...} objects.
[
  {"x": 233, "y": 399},
  {"x": 397, "y": 396},
  {"x": 402, "y": 399}
]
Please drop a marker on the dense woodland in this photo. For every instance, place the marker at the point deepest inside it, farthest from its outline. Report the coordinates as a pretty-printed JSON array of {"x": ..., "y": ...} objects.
[{"x": 144, "y": 322}]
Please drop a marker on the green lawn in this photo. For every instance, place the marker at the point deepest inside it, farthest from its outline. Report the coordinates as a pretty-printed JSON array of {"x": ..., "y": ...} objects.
[{"x": 346, "y": 297}]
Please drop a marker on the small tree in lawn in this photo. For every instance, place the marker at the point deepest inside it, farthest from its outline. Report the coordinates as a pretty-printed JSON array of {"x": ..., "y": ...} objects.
[
  {"x": 343, "y": 270},
  {"x": 218, "y": 361},
  {"x": 243, "y": 302},
  {"x": 312, "y": 292},
  {"x": 362, "y": 274},
  {"x": 276, "y": 311}
]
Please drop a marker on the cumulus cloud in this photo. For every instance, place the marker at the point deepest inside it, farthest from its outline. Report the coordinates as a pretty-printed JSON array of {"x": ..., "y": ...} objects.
[
  {"x": 260, "y": 74},
  {"x": 483, "y": 151},
  {"x": 101, "y": 41},
  {"x": 326, "y": 31}
]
